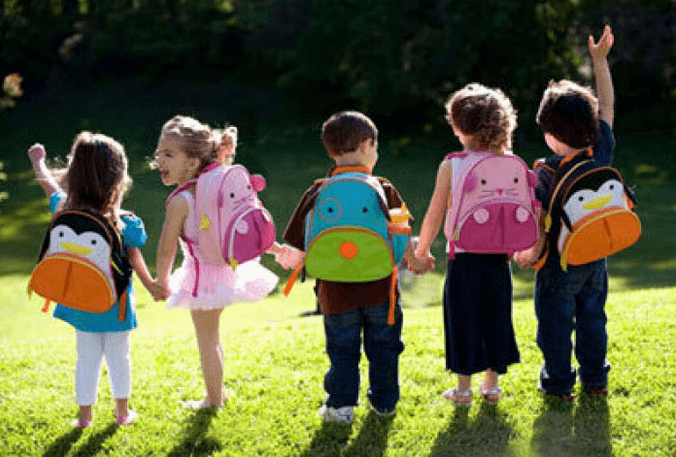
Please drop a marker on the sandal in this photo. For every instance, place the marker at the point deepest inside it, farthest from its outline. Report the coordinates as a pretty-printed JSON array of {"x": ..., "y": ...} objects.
[
  {"x": 459, "y": 397},
  {"x": 77, "y": 423},
  {"x": 491, "y": 394},
  {"x": 126, "y": 420}
]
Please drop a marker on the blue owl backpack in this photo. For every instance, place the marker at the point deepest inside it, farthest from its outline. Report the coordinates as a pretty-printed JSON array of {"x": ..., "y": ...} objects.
[{"x": 350, "y": 233}]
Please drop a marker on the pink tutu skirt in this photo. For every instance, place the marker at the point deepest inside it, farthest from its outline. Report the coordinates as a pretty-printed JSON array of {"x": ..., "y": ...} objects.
[{"x": 219, "y": 286}]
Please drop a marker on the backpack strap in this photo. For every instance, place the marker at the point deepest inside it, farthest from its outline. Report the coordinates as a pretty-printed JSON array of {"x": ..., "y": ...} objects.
[{"x": 180, "y": 189}]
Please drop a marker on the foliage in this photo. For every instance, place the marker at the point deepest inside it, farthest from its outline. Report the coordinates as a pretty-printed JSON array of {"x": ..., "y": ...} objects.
[
  {"x": 11, "y": 87},
  {"x": 396, "y": 60}
]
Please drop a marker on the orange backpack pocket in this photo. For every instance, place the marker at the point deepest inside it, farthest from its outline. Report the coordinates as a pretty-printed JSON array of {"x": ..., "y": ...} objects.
[
  {"x": 73, "y": 282},
  {"x": 598, "y": 236}
]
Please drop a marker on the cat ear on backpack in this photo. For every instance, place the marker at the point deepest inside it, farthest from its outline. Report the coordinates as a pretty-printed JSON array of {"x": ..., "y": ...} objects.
[{"x": 258, "y": 182}]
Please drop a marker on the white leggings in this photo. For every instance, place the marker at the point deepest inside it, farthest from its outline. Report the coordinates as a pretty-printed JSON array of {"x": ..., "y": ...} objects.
[{"x": 91, "y": 348}]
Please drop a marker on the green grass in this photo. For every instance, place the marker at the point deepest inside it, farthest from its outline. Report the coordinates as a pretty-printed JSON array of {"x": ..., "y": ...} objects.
[
  {"x": 274, "y": 366},
  {"x": 275, "y": 359}
]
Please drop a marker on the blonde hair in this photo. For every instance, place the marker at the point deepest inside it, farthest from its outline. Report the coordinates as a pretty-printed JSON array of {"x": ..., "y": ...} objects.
[
  {"x": 96, "y": 175},
  {"x": 484, "y": 114},
  {"x": 195, "y": 139},
  {"x": 225, "y": 140}
]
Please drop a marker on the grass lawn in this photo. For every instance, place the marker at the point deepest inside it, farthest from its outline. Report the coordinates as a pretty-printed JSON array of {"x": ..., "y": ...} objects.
[{"x": 275, "y": 359}]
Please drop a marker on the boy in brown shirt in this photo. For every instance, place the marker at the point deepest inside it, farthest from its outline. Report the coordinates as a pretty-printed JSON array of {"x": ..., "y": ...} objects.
[{"x": 350, "y": 139}]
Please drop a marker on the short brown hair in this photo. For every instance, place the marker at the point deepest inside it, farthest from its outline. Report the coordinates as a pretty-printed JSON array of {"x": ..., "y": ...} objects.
[
  {"x": 484, "y": 113},
  {"x": 569, "y": 112},
  {"x": 345, "y": 131}
]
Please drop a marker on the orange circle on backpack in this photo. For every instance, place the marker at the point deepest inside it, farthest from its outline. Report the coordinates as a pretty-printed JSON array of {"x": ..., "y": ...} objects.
[{"x": 348, "y": 250}]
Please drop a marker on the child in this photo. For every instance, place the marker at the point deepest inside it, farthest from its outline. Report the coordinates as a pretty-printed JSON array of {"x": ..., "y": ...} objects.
[
  {"x": 477, "y": 300},
  {"x": 96, "y": 178},
  {"x": 186, "y": 147},
  {"x": 350, "y": 139},
  {"x": 573, "y": 120}
]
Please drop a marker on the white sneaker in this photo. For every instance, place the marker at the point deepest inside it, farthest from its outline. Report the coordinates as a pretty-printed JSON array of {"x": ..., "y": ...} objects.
[{"x": 343, "y": 415}]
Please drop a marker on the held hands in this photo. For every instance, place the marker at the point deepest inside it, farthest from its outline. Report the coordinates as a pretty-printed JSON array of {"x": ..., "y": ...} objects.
[
  {"x": 526, "y": 259},
  {"x": 160, "y": 292},
  {"x": 288, "y": 256},
  {"x": 36, "y": 153},
  {"x": 420, "y": 264},
  {"x": 600, "y": 50}
]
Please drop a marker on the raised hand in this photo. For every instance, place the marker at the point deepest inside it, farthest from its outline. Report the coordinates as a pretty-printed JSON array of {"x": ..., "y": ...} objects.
[
  {"x": 600, "y": 49},
  {"x": 36, "y": 153}
]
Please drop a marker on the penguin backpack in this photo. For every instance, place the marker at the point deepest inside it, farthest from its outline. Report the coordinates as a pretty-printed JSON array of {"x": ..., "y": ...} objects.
[
  {"x": 351, "y": 235},
  {"x": 82, "y": 264},
  {"x": 494, "y": 209},
  {"x": 233, "y": 226},
  {"x": 589, "y": 211}
]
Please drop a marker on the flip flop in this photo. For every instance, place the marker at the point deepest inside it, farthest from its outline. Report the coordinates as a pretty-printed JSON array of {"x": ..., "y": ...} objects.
[
  {"x": 84, "y": 424},
  {"x": 126, "y": 420}
]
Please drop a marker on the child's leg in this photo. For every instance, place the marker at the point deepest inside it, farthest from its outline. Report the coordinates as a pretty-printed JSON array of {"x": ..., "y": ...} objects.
[
  {"x": 555, "y": 309},
  {"x": 87, "y": 370},
  {"x": 117, "y": 352},
  {"x": 343, "y": 346},
  {"x": 591, "y": 338},
  {"x": 211, "y": 354},
  {"x": 382, "y": 344}
]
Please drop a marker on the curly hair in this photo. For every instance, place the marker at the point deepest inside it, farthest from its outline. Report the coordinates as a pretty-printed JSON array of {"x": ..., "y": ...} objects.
[
  {"x": 484, "y": 114},
  {"x": 343, "y": 132},
  {"x": 96, "y": 176},
  {"x": 569, "y": 112}
]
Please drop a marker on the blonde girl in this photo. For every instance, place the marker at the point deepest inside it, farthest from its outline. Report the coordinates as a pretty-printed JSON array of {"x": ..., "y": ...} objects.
[{"x": 185, "y": 147}]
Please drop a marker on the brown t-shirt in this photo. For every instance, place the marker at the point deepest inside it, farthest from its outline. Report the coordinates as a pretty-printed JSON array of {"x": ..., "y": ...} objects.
[{"x": 337, "y": 297}]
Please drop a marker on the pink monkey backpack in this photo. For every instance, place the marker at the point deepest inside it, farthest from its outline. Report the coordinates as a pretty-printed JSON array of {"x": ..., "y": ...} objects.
[
  {"x": 233, "y": 225},
  {"x": 493, "y": 208}
]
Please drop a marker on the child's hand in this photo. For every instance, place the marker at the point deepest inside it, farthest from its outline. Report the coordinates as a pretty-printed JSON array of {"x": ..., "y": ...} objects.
[
  {"x": 36, "y": 153},
  {"x": 420, "y": 264},
  {"x": 158, "y": 291},
  {"x": 288, "y": 256},
  {"x": 601, "y": 49},
  {"x": 526, "y": 259}
]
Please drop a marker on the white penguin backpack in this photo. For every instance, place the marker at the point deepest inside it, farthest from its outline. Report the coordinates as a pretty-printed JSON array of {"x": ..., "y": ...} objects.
[
  {"x": 82, "y": 264},
  {"x": 589, "y": 211}
]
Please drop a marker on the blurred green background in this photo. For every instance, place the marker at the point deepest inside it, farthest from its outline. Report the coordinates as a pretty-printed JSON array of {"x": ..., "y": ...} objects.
[{"x": 278, "y": 68}]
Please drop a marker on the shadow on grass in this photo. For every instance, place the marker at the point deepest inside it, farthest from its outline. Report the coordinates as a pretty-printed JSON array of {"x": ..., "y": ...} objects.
[
  {"x": 63, "y": 444},
  {"x": 195, "y": 442},
  {"x": 487, "y": 434},
  {"x": 328, "y": 441},
  {"x": 94, "y": 444},
  {"x": 372, "y": 438},
  {"x": 567, "y": 430}
]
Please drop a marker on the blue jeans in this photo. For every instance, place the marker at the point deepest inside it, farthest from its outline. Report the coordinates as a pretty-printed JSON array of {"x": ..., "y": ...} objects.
[
  {"x": 566, "y": 302},
  {"x": 382, "y": 345}
]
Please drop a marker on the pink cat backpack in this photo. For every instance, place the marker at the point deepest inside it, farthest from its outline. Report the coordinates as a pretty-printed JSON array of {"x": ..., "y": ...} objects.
[
  {"x": 493, "y": 208},
  {"x": 233, "y": 226}
]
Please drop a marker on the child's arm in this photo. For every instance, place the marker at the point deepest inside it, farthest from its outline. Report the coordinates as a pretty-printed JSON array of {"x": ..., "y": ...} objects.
[
  {"x": 37, "y": 154},
  {"x": 435, "y": 214},
  {"x": 529, "y": 257},
  {"x": 138, "y": 263},
  {"x": 286, "y": 255},
  {"x": 604, "y": 82},
  {"x": 177, "y": 212}
]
